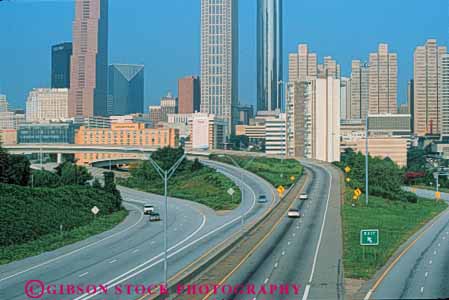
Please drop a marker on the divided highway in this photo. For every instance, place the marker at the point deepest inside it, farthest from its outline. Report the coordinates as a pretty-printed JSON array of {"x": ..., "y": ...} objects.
[
  {"x": 305, "y": 251},
  {"x": 132, "y": 253}
]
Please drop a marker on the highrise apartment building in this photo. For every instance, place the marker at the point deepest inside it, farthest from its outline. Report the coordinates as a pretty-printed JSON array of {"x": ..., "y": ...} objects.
[
  {"x": 444, "y": 94},
  {"x": 219, "y": 59},
  {"x": 89, "y": 64},
  {"x": 329, "y": 68},
  {"x": 345, "y": 98},
  {"x": 47, "y": 105},
  {"x": 302, "y": 65},
  {"x": 60, "y": 65},
  {"x": 189, "y": 95},
  {"x": 313, "y": 119},
  {"x": 126, "y": 89},
  {"x": 169, "y": 105},
  {"x": 383, "y": 81},
  {"x": 359, "y": 90},
  {"x": 269, "y": 54},
  {"x": 427, "y": 88}
]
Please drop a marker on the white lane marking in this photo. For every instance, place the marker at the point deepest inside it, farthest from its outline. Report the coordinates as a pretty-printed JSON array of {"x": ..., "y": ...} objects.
[
  {"x": 266, "y": 281},
  {"x": 321, "y": 234},
  {"x": 435, "y": 252},
  {"x": 368, "y": 295},
  {"x": 288, "y": 243},
  {"x": 283, "y": 253},
  {"x": 439, "y": 244},
  {"x": 121, "y": 278},
  {"x": 306, "y": 292},
  {"x": 276, "y": 265},
  {"x": 77, "y": 250},
  {"x": 112, "y": 261},
  {"x": 422, "y": 289},
  {"x": 82, "y": 275},
  {"x": 135, "y": 251},
  {"x": 149, "y": 261},
  {"x": 430, "y": 262},
  {"x": 427, "y": 274},
  {"x": 294, "y": 234},
  {"x": 444, "y": 237},
  {"x": 153, "y": 242}
]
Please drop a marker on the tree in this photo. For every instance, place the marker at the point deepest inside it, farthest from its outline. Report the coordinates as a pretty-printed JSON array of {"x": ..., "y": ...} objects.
[
  {"x": 166, "y": 157},
  {"x": 110, "y": 187},
  {"x": 73, "y": 174}
]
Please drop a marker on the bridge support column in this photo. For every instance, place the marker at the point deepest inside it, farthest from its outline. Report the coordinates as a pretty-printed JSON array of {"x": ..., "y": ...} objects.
[{"x": 59, "y": 158}]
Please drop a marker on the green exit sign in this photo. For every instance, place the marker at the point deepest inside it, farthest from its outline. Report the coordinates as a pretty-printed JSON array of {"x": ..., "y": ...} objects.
[{"x": 369, "y": 237}]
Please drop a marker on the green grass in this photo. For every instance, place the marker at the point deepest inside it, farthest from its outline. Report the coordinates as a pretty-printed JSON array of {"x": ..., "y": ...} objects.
[
  {"x": 53, "y": 241},
  {"x": 396, "y": 222},
  {"x": 275, "y": 171},
  {"x": 205, "y": 186}
]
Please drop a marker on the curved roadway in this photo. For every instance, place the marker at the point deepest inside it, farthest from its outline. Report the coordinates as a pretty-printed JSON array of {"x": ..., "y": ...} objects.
[{"x": 132, "y": 253}]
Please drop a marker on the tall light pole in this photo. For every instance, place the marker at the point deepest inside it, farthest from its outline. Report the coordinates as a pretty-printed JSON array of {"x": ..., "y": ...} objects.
[
  {"x": 165, "y": 175},
  {"x": 366, "y": 158}
]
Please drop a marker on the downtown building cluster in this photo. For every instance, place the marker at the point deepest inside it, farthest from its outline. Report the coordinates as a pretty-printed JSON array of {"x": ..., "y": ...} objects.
[{"x": 315, "y": 113}]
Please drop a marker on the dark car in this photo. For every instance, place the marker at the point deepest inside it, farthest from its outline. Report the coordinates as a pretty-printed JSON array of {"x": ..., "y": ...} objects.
[
  {"x": 262, "y": 199},
  {"x": 154, "y": 217}
]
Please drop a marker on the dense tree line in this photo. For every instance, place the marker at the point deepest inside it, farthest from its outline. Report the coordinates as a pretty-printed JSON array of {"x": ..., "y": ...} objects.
[{"x": 385, "y": 177}]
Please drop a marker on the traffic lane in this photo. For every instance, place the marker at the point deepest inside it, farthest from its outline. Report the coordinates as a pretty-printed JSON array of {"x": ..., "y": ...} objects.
[
  {"x": 284, "y": 258},
  {"x": 143, "y": 236},
  {"x": 419, "y": 268},
  {"x": 428, "y": 194},
  {"x": 211, "y": 235}
]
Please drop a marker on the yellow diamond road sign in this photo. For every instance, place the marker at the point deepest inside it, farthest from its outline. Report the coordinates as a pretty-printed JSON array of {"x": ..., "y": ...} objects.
[
  {"x": 347, "y": 169},
  {"x": 357, "y": 192},
  {"x": 438, "y": 195},
  {"x": 292, "y": 178},
  {"x": 281, "y": 189}
]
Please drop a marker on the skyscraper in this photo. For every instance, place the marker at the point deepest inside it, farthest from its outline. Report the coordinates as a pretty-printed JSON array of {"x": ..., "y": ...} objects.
[
  {"x": 126, "y": 89},
  {"x": 302, "y": 65},
  {"x": 427, "y": 88},
  {"x": 60, "y": 65},
  {"x": 219, "y": 59},
  {"x": 444, "y": 94},
  {"x": 330, "y": 68},
  {"x": 46, "y": 105},
  {"x": 359, "y": 90},
  {"x": 189, "y": 96},
  {"x": 383, "y": 81},
  {"x": 89, "y": 64},
  {"x": 169, "y": 105},
  {"x": 269, "y": 54},
  {"x": 3, "y": 103},
  {"x": 345, "y": 98}
]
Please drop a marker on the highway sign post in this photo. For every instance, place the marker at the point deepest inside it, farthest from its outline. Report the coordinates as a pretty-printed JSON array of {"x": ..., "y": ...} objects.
[
  {"x": 95, "y": 210},
  {"x": 280, "y": 190},
  {"x": 369, "y": 237},
  {"x": 438, "y": 195},
  {"x": 347, "y": 169}
]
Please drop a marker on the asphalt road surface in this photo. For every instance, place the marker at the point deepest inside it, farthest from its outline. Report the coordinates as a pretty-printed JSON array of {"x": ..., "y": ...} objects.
[
  {"x": 132, "y": 253},
  {"x": 423, "y": 271},
  {"x": 305, "y": 251}
]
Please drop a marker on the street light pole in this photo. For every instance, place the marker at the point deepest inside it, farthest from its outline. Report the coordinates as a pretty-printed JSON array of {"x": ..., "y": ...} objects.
[
  {"x": 166, "y": 175},
  {"x": 366, "y": 158}
]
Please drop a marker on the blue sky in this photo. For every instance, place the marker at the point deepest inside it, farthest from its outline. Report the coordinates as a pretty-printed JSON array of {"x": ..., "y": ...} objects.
[{"x": 165, "y": 37}]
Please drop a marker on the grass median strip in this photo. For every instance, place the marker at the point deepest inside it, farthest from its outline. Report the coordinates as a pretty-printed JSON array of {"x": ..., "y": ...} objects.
[
  {"x": 397, "y": 221},
  {"x": 54, "y": 241}
]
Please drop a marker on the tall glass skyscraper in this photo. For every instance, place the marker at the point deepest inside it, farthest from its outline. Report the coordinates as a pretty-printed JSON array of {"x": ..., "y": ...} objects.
[
  {"x": 269, "y": 54},
  {"x": 89, "y": 65},
  {"x": 60, "y": 65},
  {"x": 219, "y": 59},
  {"x": 126, "y": 89}
]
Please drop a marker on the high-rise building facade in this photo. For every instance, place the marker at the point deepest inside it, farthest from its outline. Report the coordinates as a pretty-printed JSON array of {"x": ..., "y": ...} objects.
[
  {"x": 359, "y": 90},
  {"x": 427, "y": 88},
  {"x": 219, "y": 59},
  {"x": 383, "y": 81},
  {"x": 3, "y": 103},
  {"x": 47, "y": 105},
  {"x": 411, "y": 102},
  {"x": 330, "y": 68},
  {"x": 302, "y": 65},
  {"x": 445, "y": 94},
  {"x": 269, "y": 54},
  {"x": 126, "y": 89},
  {"x": 189, "y": 95},
  {"x": 169, "y": 105},
  {"x": 345, "y": 98},
  {"x": 89, "y": 64},
  {"x": 313, "y": 119},
  {"x": 60, "y": 65}
]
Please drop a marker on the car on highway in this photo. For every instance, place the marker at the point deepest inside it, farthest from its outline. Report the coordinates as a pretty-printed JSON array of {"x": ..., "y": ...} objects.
[
  {"x": 303, "y": 197},
  {"x": 262, "y": 199},
  {"x": 294, "y": 213},
  {"x": 148, "y": 209},
  {"x": 154, "y": 217}
]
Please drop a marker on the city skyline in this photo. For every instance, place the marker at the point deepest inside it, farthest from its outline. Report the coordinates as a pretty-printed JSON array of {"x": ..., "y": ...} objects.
[{"x": 159, "y": 82}]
